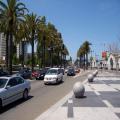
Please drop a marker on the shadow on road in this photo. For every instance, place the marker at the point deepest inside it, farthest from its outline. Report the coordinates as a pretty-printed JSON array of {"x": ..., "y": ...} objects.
[
  {"x": 56, "y": 84},
  {"x": 14, "y": 104}
]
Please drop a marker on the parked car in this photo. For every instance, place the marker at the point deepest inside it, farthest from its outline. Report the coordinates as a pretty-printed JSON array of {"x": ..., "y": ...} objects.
[
  {"x": 12, "y": 89},
  {"x": 25, "y": 73},
  {"x": 35, "y": 73},
  {"x": 40, "y": 74},
  {"x": 53, "y": 76},
  {"x": 71, "y": 72},
  {"x": 3, "y": 73}
]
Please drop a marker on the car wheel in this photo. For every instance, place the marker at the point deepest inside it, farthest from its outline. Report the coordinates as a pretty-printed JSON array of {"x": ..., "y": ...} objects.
[
  {"x": 1, "y": 105},
  {"x": 57, "y": 81},
  {"x": 25, "y": 94}
]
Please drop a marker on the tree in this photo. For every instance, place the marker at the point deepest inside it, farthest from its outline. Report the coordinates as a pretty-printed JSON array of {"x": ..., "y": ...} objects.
[
  {"x": 42, "y": 35},
  {"x": 11, "y": 13},
  {"x": 83, "y": 53},
  {"x": 86, "y": 47},
  {"x": 20, "y": 37},
  {"x": 31, "y": 22}
]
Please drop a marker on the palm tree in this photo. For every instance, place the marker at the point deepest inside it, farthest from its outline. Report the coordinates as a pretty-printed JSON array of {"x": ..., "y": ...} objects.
[
  {"x": 20, "y": 37},
  {"x": 31, "y": 22},
  {"x": 80, "y": 54},
  {"x": 86, "y": 46},
  {"x": 11, "y": 13},
  {"x": 42, "y": 35}
]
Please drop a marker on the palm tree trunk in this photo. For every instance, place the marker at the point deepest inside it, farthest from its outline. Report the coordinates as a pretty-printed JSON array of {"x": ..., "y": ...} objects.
[
  {"x": 80, "y": 61},
  {"x": 87, "y": 61},
  {"x": 7, "y": 39},
  {"x": 10, "y": 46},
  {"x": 84, "y": 62},
  {"x": 44, "y": 51},
  {"x": 61, "y": 59},
  {"x": 58, "y": 62},
  {"x": 23, "y": 54},
  {"x": 32, "y": 44},
  {"x": 32, "y": 55}
]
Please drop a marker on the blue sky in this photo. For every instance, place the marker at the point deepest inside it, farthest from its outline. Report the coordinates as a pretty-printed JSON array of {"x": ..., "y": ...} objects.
[{"x": 97, "y": 21}]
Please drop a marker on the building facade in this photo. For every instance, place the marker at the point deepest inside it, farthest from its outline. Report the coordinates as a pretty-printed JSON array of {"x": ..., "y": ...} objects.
[
  {"x": 19, "y": 49},
  {"x": 113, "y": 61},
  {"x": 2, "y": 46}
]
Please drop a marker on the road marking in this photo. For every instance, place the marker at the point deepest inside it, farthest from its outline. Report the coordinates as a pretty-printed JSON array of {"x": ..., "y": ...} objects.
[
  {"x": 108, "y": 103},
  {"x": 97, "y": 93}
]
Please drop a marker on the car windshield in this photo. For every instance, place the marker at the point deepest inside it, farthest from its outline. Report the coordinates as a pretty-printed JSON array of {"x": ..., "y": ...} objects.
[
  {"x": 52, "y": 72},
  {"x": 3, "y": 82},
  {"x": 71, "y": 70}
]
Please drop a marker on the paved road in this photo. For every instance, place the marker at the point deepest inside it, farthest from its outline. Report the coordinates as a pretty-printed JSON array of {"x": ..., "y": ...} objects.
[{"x": 41, "y": 98}]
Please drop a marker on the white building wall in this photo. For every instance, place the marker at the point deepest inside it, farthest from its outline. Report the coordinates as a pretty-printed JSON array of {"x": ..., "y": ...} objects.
[{"x": 2, "y": 46}]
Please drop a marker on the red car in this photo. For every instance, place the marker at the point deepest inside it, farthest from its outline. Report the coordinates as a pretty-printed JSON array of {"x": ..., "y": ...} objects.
[{"x": 35, "y": 73}]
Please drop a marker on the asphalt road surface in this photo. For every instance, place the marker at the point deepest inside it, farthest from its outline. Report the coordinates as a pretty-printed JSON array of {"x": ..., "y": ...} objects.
[{"x": 41, "y": 98}]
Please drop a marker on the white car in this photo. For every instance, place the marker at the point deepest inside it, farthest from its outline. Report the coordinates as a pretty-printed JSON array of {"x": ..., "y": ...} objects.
[
  {"x": 53, "y": 76},
  {"x": 12, "y": 89}
]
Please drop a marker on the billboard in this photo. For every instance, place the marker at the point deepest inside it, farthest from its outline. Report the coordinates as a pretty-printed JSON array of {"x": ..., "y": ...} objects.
[{"x": 105, "y": 55}]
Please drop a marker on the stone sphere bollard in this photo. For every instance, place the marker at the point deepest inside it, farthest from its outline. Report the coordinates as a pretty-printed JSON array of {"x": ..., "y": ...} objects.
[
  {"x": 78, "y": 90},
  {"x": 90, "y": 77},
  {"x": 94, "y": 73}
]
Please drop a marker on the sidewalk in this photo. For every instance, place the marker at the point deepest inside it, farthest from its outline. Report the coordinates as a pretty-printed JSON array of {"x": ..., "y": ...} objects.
[{"x": 101, "y": 102}]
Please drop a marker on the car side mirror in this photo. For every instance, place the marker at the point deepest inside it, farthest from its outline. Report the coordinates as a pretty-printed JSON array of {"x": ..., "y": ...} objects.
[{"x": 7, "y": 87}]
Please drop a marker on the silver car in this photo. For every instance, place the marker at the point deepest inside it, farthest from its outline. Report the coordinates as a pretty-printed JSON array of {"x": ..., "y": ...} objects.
[
  {"x": 12, "y": 89},
  {"x": 53, "y": 76}
]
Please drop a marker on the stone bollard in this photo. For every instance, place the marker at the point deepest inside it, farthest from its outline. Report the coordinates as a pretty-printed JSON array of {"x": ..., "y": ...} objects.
[
  {"x": 78, "y": 90},
  {"x": 90, "y": 77},
  {"x": 94, "y": 73}
]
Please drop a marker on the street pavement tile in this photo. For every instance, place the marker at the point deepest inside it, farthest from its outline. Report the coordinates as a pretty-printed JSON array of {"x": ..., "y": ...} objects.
[
  {"x": 112, "y": 81},
  {"x": 112, "y": 97},
  {"x": 94, "y": 114},
  {"x": 91, "y": 100},
  {"x": 118, "y": 114}
]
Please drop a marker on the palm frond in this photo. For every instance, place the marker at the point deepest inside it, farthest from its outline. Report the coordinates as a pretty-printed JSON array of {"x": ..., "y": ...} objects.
[{"x": 3, "y": 5}]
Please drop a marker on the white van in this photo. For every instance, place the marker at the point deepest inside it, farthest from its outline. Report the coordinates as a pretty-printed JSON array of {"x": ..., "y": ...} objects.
[{"x": 53, "y": 76}]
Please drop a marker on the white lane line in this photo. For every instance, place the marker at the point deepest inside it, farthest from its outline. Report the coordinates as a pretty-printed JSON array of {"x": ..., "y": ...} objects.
[
  {"x": 97, "y": 93},
  {"x": 108, "y": 103}
]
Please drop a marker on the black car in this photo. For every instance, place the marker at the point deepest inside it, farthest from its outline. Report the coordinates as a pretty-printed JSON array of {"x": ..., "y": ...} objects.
[
  {"x": 40, "y": 74},
  {"x": 71, "y": 72},
  {"x": 3, "y": 73},
  {"x": 25, "y": 73}
]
